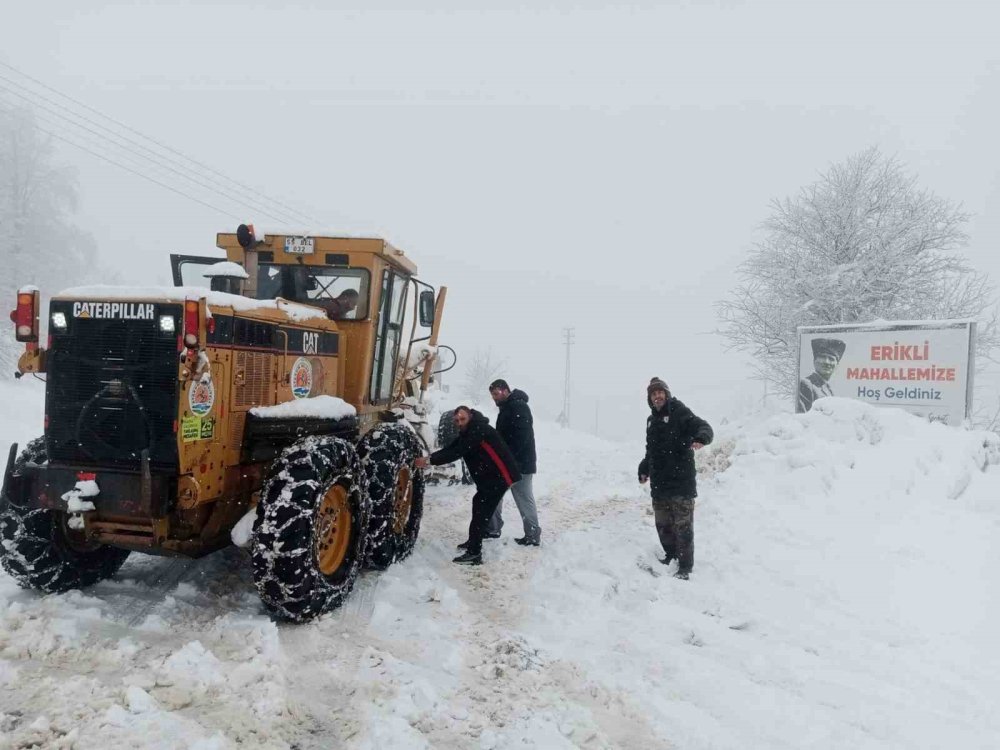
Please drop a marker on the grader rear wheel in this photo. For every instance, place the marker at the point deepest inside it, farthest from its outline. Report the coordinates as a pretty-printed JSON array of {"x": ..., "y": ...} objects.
[
  {"x": 40, "y": 551},
  {"x": 308, "y": 541}
]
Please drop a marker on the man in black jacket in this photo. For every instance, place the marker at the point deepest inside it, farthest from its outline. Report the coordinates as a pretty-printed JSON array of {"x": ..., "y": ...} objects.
[
  {"x": 517, "y": 428},
  {"x": 492, "y": 467},
  {"x": 673, "y": 433}
]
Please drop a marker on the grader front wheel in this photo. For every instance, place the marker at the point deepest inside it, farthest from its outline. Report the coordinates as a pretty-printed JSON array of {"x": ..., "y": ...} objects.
[
  {"x": 333, "y": 537},
  {"x": 309, "y": 537},
  {"x": 396, "y": 489}
]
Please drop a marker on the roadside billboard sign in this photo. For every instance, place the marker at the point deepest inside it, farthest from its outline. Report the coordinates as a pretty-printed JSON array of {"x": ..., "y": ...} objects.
[{"x": 925, "y": 367}]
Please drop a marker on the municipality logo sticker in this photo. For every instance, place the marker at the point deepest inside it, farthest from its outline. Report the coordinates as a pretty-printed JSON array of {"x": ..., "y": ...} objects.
[
  {"x": 201, "y": 397},
  {"x": 301, "y": 378}
]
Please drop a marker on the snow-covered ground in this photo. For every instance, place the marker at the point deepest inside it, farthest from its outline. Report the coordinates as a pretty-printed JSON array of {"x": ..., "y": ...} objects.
[{"x": 846, "y": 593}]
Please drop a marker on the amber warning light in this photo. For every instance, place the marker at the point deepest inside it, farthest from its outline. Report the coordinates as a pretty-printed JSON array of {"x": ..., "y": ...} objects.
[
  {"x": 192, "y": 319},
  {"x": 25, "y": 316}
]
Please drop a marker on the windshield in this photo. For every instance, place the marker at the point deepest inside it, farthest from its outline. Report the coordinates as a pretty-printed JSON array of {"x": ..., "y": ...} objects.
[{"x": 342, "y": 292}]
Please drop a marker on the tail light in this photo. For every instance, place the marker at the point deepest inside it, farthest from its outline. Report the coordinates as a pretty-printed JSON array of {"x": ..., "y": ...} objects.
[
  {"x": 25, "y": 316},
  {"x": 192, "y": 323}
]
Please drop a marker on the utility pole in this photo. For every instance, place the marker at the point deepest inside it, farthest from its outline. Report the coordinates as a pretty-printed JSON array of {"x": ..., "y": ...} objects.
[{"x": 568, "y": 333}]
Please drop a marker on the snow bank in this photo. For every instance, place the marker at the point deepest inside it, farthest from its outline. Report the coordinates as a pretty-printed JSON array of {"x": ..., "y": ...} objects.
[
  {"x": 843, "y": 593},
  {"x": 319, "y": 407},
  {"x": 178, "y": 294}
]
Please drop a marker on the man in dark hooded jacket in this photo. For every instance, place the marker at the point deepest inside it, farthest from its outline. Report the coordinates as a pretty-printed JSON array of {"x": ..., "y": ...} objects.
[
  {"x": 492, "y": 467},
  {"x": 673, "y": 433},
  {"x": 517, "y": 428}
]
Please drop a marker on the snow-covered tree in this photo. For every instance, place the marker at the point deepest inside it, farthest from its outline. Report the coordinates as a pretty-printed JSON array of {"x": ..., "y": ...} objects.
[
  {"x": 38, "y": 242},
  {"x": 864, "y": 242}
]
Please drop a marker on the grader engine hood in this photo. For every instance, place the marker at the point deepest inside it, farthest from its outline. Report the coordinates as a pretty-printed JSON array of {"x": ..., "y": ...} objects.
[{"x": 112, "y": 386}]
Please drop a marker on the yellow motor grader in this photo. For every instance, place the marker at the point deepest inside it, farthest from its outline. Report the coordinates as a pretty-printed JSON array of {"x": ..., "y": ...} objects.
[{"x": 264, "y": 405}]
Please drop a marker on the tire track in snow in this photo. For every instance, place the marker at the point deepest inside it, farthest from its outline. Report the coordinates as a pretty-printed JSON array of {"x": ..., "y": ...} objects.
[{"x": 506, "y": 682}]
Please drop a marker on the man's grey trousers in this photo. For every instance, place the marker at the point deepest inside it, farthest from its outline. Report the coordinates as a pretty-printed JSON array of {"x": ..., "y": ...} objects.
[{"x": 524, "y": 496}]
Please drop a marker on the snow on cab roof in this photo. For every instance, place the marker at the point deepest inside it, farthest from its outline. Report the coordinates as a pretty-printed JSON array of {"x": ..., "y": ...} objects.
[
  {"x": 264, "y": 230},
  {"x": 294, "y": 310},
  {"x": 226, "y": 268}
]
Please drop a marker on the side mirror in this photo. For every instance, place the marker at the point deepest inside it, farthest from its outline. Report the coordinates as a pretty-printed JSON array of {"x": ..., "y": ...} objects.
[{"x": 427, "y": 304}]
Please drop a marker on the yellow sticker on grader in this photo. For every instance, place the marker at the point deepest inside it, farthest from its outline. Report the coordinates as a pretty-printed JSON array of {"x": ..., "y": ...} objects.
[
  {"x": 191, "y": 429},
  {"x": 197, "y": 428}
]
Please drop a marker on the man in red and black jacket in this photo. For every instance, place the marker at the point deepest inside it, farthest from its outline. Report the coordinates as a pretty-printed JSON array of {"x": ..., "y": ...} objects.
[{"x": 492, "y": 467}]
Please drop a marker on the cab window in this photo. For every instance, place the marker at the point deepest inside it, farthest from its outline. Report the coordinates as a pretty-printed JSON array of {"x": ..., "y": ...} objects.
[
  {"x": 388, "y": 335},
  {"x": 342, "y": 292}
]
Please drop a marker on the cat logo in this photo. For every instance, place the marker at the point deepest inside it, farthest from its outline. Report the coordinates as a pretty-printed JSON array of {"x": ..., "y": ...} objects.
[{"x": 310, "y": 343}]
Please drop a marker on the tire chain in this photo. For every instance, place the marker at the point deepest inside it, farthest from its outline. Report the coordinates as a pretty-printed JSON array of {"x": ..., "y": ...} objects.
[
  {"x": 285, "y": 568},
  {"x": 384, "y": 451}
]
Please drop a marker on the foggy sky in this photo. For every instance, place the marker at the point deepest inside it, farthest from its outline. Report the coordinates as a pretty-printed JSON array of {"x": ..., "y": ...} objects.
[{"x": 559, "y": 164}]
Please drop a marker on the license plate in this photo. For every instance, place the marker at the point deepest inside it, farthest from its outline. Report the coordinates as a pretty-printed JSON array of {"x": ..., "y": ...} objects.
[{"x": 299, "y": 245}]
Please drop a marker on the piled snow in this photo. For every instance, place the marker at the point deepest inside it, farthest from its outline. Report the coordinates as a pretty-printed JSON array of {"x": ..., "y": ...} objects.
[
  {"x": 420, "y": 353},
  {"x": 179, "y": 294},
  {"x": 226, "y": 268},
  {"x": 320, "y": 407},
  {"x": 844, "y": 595},
  {"x": 882, "y": 323},
  {"x": 242, "y": 532},
  {"x": 843, "y": 592}
]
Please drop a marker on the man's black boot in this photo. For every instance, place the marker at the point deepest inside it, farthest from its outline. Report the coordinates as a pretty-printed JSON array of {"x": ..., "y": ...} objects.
[
  {"x": 682, "y": 574},
  {"x": 469, "y": 558},
  {"x": 464, "y": 545},
  {"x": 526, "y": 542},
  {"x": 668, "y": 559}
]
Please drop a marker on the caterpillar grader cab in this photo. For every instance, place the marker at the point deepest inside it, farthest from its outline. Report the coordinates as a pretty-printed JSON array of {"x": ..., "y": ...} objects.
[{"x": 259, "y": 400}]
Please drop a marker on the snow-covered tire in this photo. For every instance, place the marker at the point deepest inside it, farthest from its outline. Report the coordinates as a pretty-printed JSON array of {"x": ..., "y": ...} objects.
[
  {"x": 39, "y": 551},
  {"x": 396, "y": 489},
  {"x": 33, "y": 453},
  {"x": 446, "y": 432},
  {"x": 309, "y": 538}
]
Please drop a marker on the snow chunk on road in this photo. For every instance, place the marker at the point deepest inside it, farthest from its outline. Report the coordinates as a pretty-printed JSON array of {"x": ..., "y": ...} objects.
[
  {"x": 320, "y": 407},
  {"x": 193, "y": 664},
  {"x": 242, "y": 532},
  {"x": 139, "y": 701}
]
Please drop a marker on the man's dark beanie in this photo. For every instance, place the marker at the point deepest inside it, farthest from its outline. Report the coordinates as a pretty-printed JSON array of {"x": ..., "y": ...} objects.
[
  {"x": 500, "y": 384},
  {"x": 657, "y": 385}
]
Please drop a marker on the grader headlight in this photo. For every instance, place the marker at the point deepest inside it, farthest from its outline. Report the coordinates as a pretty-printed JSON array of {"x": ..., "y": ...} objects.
[
  {"x": 59, "y": 322},
  {"x": 167, "y": 324}
]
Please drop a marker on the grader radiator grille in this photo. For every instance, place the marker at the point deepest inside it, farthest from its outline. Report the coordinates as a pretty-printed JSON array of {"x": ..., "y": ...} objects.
[
  {"x": 112, "y": 384},
  {"x": 254, "y": 381}
]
